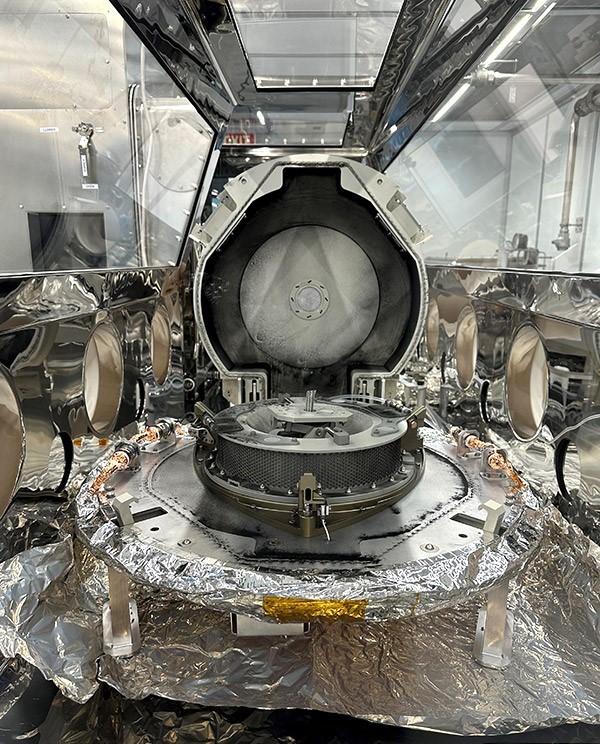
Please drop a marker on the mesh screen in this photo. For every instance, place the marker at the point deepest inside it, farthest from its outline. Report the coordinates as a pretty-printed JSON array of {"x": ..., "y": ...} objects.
[{"x": 282, "y": 470}]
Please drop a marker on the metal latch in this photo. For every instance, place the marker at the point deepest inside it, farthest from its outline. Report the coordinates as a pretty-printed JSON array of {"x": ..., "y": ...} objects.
[
  {"x": 312, "y": 506},
  {"x": 86, "y": 150}
]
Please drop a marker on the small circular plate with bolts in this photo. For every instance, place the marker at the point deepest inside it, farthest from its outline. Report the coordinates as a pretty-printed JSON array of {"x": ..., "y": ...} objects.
[{"x": 309, "y": 299}]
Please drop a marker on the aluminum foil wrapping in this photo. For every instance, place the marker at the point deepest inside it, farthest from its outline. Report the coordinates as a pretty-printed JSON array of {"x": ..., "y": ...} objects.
[
  {"x": 416, "y": 671},
  {"x": 15, "y": 676}
]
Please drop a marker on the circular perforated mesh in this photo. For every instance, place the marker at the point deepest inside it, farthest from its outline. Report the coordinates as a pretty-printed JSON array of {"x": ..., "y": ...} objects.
[{"x": 280, "y": 471}]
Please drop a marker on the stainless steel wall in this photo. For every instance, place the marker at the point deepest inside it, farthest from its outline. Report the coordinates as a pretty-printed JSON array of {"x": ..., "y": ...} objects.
[
  {"x": 517, "y": 355},
  {"x": 71, "y": 381}
]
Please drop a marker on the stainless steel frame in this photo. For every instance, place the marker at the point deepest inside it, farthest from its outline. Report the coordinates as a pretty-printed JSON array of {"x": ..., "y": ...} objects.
[
  {"x": 375, "y": 189},
  {"x": 45, "y": 325},
  {"x": 534, "y": 406}
]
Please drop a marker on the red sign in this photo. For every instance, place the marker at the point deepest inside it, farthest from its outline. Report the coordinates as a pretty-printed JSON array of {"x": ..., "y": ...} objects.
[{"x": 240, "y": 138}]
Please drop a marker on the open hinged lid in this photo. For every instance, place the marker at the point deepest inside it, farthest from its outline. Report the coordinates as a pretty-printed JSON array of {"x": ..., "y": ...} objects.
[{"x": 308, "y": 278}]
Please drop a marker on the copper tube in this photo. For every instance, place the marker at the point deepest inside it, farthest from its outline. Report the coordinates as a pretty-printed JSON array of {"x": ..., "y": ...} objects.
[
  {"x": 151, "y": 434},
  {"x": 117, "y": 461}
]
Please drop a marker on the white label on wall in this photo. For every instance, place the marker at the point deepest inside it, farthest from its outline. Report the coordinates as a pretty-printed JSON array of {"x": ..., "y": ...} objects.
[
  {"x": 89, "y": 186},
  {"x": 48, "y": 130}
]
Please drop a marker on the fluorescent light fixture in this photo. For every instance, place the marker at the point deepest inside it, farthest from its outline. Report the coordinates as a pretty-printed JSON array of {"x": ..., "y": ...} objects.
[
  {"x": 261, "y": 117},
  {"x": 451, "y": 102},
  {"x": 506, "y": 41},
  {"x": 497, "y": 52},
  {"x": 544, "y": 14}
]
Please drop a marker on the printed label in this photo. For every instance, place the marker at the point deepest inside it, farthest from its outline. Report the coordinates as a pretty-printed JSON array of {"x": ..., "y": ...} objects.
[
  {"x": 89, "y": 186},
  {"x": 48, "y": 130}
]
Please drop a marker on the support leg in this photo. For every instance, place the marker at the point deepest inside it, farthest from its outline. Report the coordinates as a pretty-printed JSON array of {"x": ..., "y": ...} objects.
[
  {"x": 493, "y": 639},
  {"x": 120, "y": 618}
]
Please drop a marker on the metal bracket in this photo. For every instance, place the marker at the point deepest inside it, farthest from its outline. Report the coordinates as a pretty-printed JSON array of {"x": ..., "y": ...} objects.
[
  {"x": 161, "y": 445},
  {"x": 494, "y": 634},
  {"x": 249, "y": 627},
  {"x": 122, "y": 506},
  {"x": 493, "y": 521},
  {"x": 312, "y": 506},
  {"x": 486, "y": 470},
  {"x": 462, "y": 450},
  {"x": 493, "y": 637},
  {"x": 374, "y": 385},
  {"x": 120, "y": 623},
  {"x": 248, "y": 388}
]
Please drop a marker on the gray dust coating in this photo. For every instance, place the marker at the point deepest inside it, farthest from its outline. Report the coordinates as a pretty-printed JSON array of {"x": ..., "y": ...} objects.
[{"x": 379, "y": 540}]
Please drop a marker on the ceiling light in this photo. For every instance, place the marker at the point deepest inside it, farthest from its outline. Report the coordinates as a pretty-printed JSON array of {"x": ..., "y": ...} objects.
[
  {"x": 451, "y": 102},
  {"x": 506, "y": 41},
  {"x": 544, "y": 14}
]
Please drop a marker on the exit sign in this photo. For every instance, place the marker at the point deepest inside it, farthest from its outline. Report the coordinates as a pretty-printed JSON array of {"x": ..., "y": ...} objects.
[{"x": 240, "y": 138}]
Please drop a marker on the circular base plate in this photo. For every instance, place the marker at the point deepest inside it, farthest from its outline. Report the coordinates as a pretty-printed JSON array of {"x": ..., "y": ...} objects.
[{"x": 424, "y": 553}]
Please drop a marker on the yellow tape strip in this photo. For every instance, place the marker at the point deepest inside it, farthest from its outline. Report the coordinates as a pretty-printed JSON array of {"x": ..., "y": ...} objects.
[{"x": 291, "y": 610}]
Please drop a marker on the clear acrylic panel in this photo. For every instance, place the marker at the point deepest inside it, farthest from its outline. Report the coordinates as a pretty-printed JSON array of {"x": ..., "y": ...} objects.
[
  {"x": 102, "y": 155},
  {"x": 310, "y": 43},
  {"x": 488, "y": 172}
]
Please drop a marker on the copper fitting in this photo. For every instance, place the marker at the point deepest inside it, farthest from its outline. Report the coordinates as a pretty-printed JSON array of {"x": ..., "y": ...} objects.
[{"x": 495, "y": 460}]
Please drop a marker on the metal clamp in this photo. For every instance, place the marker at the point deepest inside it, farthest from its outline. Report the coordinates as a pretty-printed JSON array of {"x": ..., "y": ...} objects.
[
  {"x": 462, "y": 448},
  {"x": 486, "y": 470},
  {"x": 86, "y": 147},
  {"x": 312, "y": 506}
]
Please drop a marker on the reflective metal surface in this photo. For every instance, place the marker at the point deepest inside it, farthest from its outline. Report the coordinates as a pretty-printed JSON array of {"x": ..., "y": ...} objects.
[
  {"x": 175, "y": 32},
  {"x": 43, "y": 341},
  {"x": 160, "y": 343},
  {"x": 12, "y": 439},
  {"x": 103, "y": 377},
  {"x": 432, "y": 329},
  {"x": 537, "y": 373},
  {"x": 425, "y": 86},
  {"x": 526, "y": 382},
  {"x": 466, "y": 347}
]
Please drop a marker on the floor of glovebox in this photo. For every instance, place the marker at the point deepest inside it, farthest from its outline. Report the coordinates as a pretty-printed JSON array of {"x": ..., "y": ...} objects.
[{"x": 43, "y": 716}]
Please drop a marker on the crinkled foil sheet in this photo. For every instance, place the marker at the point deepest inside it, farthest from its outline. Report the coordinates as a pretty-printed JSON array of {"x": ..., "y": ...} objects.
[
  {"x": 416, "y": 671},
  {"x": 15, "y": 676}
]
